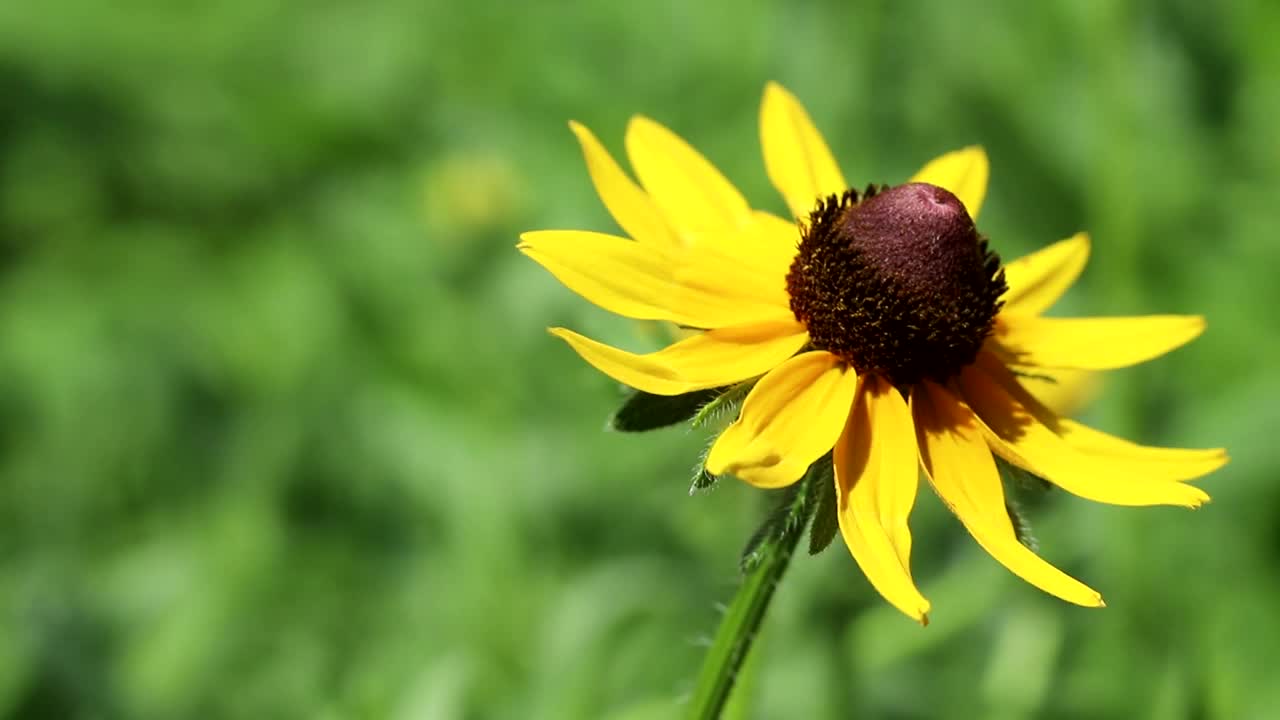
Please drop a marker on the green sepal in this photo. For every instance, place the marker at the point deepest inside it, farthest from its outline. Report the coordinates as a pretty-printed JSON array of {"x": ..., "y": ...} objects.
[
  {"x": 644, "y": 411},
  {"x": 702, "y": 480},
  {"x": 825, "y": 523},
  {"x": 725, "y": 404},
  {"x": 1025, "y": 484},
  {"x": 1021, "y": 526},
  {"x": 1020, "y": 478}
]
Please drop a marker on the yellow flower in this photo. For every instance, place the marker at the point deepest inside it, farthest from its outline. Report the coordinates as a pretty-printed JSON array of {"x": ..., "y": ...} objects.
[{"x": 879, "y": 328}]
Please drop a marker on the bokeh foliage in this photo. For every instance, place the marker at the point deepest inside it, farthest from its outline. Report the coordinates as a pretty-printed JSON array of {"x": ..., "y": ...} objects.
[{"x": 281, "y": 434}]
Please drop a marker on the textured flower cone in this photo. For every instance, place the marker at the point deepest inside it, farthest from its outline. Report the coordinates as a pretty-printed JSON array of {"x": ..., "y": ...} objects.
[{"x": 698, "y": 255}]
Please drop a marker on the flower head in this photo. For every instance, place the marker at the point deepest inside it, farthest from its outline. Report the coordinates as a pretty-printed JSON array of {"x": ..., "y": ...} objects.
[{"x": 878, "y": 326}]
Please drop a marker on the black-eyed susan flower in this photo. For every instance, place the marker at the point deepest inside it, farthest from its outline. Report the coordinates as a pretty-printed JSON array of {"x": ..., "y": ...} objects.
[{"x": 878, "y": 327}]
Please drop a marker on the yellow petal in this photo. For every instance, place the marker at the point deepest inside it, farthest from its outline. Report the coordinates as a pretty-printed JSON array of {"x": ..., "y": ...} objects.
[
  {"x": 640, "y": 281},
  {"x": 795, "y": 156},
  {"x": 876, "y": 471},
  {"x": 760, "y": 253},
  {"x": 1066, "y": 392},
  {"x": 1092, "y": 343},
  {"x": 959, "y": 465},
  {"x": 1179, "y": 463},
  {"x": 963, "y": 172},
  {"x": 777, "y": 231},
  {"x": 689, "y": 190},
  {"x": 791, "y": 417},
  {"x": 630, "y": 206},
  {"x": 1036, "y": 281},
  {"x": 709, "y": 359},
  {"x": 1160, "y": 462},
  {"x": 1016, "y": 433}
]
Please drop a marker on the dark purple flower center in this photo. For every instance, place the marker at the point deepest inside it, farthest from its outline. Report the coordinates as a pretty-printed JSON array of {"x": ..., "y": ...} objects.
[{"x": 896, "y": 282}]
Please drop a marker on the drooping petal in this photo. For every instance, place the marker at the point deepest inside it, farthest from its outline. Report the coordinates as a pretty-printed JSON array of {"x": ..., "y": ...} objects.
[
  {"x": 689, "y": 190},
  {"x": 959, "y": 465},
  {"x": 1179, "y": 463},
  {"x": 963, "y": 172},
  {"x": 877, "y": 470},
  {"x": 710, "y": 359},
  {"x": 1016, "y": 433},
  {"x": 640, "y": 281},
  {"x": 634, "y": 211},
  {"x": 796, "y": 157},
  {"x": 1092, "y": 343},
  {"x": 1036, "y": 281},
  {"x": 1139, "y": 461},
  {"x": 792, "y": 417}
]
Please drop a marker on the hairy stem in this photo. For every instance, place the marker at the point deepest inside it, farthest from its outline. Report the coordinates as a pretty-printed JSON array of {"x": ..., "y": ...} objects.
[{"x": 742, "y": 619}]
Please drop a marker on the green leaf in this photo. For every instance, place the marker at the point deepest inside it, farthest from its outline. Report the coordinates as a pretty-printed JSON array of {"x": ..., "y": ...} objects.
[
  {"x": 825, "y": 524},
  {"x": 645, "y": 411}
]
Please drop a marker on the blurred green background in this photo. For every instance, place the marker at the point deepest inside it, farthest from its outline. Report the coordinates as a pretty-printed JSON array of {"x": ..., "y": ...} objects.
[{"x": 282, "y": 434}]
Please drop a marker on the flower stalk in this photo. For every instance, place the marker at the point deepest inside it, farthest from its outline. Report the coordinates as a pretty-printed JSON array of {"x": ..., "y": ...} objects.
[{"x": 763, "y": 567}]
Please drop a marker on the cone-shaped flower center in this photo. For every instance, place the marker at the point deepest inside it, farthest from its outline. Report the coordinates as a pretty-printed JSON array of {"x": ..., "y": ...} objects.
[{"x": 897, "y": 282}]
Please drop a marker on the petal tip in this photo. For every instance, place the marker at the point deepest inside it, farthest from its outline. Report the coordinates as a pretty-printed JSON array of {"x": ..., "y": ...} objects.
[
  {"x": 640, "y": 123},
  {"x": 774, "y": 90},
  {"x": 528, "y": 237},
  {"x": 586, "y": 138}
]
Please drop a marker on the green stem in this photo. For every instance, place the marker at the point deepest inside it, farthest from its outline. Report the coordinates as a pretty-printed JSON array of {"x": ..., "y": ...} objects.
[{"x": 742, "y": 620}]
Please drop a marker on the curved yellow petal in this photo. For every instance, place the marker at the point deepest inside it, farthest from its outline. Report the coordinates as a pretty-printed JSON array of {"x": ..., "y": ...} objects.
[
  {"x": 640, "y": 281},
  {"x": 709, "y": 359},
  {"x": 1147, "y": 461},
  {"x": 1066, "y": 392},
  {"x": 963, "y": 172},
  {"x": 877, "y": 470},
  {"x": 1036, "y": 281},
  {"x": 796, "y": 157},
  {"x": 1179, "y": 463},
  {"x": 959, "y": 465},
  {"x": 689, "y": 190},
  {"x": 1092, "y": 343},
  {"x": 1016, "y": 434},
  {"x": 635, "y": 213},
  {"x": 790, "y": 418}
]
